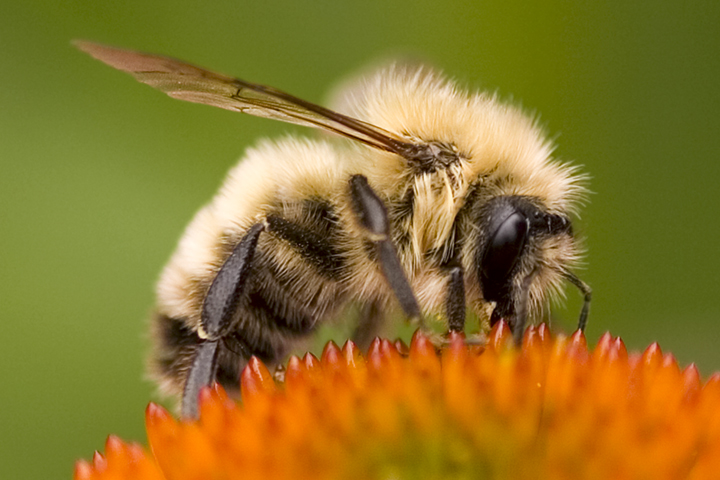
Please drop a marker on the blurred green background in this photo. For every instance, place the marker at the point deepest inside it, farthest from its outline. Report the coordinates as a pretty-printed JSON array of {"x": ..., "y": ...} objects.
[{"x": 99, "y": 174}]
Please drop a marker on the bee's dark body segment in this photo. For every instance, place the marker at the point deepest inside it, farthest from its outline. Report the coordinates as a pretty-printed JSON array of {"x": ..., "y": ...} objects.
[{"x": 314, "y": 242}]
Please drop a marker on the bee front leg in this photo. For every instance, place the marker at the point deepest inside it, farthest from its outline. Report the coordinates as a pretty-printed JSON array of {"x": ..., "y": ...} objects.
[
  {"x": 218, "y": 310},
  {"x": 455, "y": 307},
  {"x": 372, "y": 216},
  {"x": 455, "y": 300}
]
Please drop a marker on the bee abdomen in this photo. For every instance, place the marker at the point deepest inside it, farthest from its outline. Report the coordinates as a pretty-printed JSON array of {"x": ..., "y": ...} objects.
[
  {"x": 286, "y": 298},
  {"x": 295, "y": 284},
  {"x": 291, "y": 316},
  {"x": 311, "y": 228}
]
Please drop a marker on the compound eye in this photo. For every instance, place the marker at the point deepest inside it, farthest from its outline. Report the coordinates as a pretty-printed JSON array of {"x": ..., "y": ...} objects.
[{"x": 502, "y": 254}]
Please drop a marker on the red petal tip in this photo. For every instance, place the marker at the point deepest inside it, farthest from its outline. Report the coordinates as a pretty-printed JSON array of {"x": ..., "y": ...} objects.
[
  {"x": 500, "y": 335},
  {"x": 114, "y": 446},
  {"x": 135, "y": 452},
  {"x": 577, "y": 347},
  {"x": 349, "y": 346},
  {"x": 155, "y": 414},
  {"x": 421, "y": 346},
  {"x": 374, "y": 355},
  {"x": 83, "y": 470},
  {"x": 374, "y": 347},
  {"x": 388, "y": 350},
  {"x": 255, "y": 378},
  {"x": 418, "y": 335},
  {"x": 669, "y": 361},
  {"x": 578, "y": 338},
  {"x": 351, "y": 352},
  {"x": 531, "y": 338},
  {"x": 652, "y": 354},
  {"x": 544, "y": 332},
  {"x": 294, "y": 372},
  {"x": 99, "y": 461},
  {"x": 294, "y": 365},
  {"x": 206, "y": 394},
  {"x": 691, "y": 378},
  {"x": 605, "y": 343},
  {"x": 456, "y": 341},
  {"x": 310, "y": 361},
  {"x": 618, "y": 352},
  {"x": 219, "y": 393},
  {"x": 401, "y": 347},
  {"x": 385, "y": 346},
  {"x": 331, "y": 354},
  {"x": 610, "y": 349},
  {"x": 714, "y": 378}
]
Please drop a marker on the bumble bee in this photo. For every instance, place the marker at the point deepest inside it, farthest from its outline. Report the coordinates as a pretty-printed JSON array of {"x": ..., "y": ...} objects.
[{"x": 443, "y": 199}]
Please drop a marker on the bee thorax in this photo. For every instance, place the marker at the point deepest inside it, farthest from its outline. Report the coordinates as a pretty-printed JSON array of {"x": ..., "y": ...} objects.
[{"x": 431, "y": 156}]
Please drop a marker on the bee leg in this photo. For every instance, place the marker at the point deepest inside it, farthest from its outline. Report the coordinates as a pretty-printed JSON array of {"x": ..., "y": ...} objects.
[
  {"x": 372, "y": 215},
  {"x": 223, "y": 295},
  {"x": 455, "y": 301},
  {"x": 587, "y": 293},
  {"x": 455, "y": 308},
  {"x": 521, "y": 311},
  {"x": 371, "y": 318},
  {"x": 201, "y": 374},
  {"x": 217, "y": 313}
]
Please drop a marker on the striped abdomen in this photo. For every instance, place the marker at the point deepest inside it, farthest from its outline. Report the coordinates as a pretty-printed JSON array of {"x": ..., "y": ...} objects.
[{"x": 293, "y": 286}]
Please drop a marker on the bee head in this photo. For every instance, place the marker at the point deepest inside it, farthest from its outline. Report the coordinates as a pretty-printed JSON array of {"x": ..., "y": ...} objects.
[{"x": 511, "y": 253}]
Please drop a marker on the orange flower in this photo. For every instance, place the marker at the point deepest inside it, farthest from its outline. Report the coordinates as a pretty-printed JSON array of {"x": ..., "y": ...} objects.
[{"x": 550, "y": 410}]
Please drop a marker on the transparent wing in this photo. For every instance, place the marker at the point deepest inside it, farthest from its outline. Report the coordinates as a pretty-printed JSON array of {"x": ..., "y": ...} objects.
[{"x": 193, "y": 84}]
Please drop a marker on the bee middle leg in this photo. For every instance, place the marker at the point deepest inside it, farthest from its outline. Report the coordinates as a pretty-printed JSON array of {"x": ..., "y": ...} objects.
[
  {"x": 218, "y": 309},
  {"x": 372, "y": 215}
]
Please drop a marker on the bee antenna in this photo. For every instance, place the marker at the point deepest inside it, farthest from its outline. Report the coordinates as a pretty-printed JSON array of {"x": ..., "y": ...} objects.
[{"x": 586, "y": 291}]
